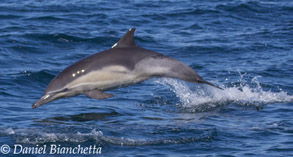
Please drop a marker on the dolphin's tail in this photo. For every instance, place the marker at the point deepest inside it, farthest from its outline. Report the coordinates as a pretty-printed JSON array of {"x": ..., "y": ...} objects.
[
  {"x": 206, "y": 82},
  {"x": 163, "y": 66}
]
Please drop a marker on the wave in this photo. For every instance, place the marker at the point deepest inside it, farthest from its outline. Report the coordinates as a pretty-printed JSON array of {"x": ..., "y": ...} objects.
[
  {"x": 46, "y": 18},
  {"x": 9, "y": 16},
  {"x": 205, "y": 98},
  {"x": 179, "y": 13},
  {"x": 25, "y": 80},
  {"x": 247, "y": 7},
  {"x": 66, "y": 38},
  {"x": 41, "y": 135}
]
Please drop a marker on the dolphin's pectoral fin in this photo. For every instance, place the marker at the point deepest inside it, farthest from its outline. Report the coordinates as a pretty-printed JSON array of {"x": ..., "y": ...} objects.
[{"x": 97, "y": 94}]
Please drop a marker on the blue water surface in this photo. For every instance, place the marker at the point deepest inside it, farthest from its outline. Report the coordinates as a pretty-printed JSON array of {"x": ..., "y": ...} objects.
[{"x": 245, "y": 47}]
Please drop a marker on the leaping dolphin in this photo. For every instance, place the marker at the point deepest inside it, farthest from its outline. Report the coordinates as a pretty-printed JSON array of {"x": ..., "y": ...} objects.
[{"x": 122, "y": 65}]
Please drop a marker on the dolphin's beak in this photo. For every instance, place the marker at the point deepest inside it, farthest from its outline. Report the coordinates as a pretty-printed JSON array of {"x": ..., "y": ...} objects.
[{"x": 43, "y": 100}]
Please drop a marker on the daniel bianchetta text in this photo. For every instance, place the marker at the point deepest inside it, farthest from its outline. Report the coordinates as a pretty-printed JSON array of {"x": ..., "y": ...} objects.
[{"x": 56, "y": 149}]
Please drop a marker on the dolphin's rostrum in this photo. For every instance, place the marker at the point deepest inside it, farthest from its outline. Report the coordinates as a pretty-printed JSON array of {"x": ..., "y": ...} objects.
[{"x": 122, "y": 65}]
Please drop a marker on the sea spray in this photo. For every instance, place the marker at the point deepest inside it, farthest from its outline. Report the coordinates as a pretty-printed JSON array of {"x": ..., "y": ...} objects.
[{"x": 204, "y": 97}]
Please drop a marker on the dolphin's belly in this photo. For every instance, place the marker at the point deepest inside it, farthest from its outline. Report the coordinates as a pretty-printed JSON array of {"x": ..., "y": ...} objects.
[{"x": 107, "y": 78}]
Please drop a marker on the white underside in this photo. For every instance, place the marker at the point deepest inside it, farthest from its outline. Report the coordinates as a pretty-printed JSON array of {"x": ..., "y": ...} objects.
[{"x": 106, "y": 78}]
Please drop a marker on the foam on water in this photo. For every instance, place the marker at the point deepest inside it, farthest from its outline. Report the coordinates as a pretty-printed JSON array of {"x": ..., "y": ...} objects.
[{"x": 205, "y": 97}]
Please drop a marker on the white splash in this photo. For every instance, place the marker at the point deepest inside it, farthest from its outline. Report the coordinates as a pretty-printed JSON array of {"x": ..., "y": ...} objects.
[{"x": 209, "y": 97}]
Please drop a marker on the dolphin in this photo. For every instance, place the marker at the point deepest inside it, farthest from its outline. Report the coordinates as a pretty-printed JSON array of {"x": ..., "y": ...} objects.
[{"x": 122, "y": 65}]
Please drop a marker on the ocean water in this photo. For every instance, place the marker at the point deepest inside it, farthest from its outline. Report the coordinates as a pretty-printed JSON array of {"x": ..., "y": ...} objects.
[{"x": 245, "y": 47}]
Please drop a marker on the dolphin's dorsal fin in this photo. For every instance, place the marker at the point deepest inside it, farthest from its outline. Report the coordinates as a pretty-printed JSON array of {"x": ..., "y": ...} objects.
[{"x": 127, "y": 40}]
